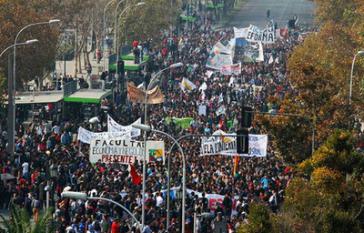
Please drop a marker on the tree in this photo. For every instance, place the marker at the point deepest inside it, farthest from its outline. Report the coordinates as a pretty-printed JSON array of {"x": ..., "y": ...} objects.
[
  {"x": 259, "y": 220},
  {"x": 149, "y": 20},
  {"x": 326, "y": 195},
  {"x": 32, "y": 60},
  {"x": 20, "y": 222}
]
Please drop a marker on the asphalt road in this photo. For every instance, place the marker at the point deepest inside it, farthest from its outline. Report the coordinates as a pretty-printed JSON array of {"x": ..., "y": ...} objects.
[{"x": 255, "y": 12}]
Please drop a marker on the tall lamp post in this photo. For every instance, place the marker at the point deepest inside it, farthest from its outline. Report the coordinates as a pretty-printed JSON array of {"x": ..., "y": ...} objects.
[
  {"x": 360, "y": 53},
  {"x": 12, "y": 105},
  {"x": 11, "y": 97},
  {"x": 147, "y": 128},
  {"x": 117, "y": 32},
  {"x": 83, "y": 196},
  {"x": 151, "y": 84}
]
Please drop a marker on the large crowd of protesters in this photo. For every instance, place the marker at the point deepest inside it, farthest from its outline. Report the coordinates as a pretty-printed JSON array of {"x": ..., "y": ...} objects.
[{"x": 49, "y": 158}]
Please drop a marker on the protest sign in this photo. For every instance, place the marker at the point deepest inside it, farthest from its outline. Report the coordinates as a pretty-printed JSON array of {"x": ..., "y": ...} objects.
[
  {"x": 184, "y": 122},
  {"x": 220, "y": 48},
  {"x": 253, "y": 52},
  {"x": 240, "y": 32},
  {"x": 113, "y": 126},
  {"x": 217, "y": 61},
  {"x": 123, "y": 150},
  {"x": 155, "y": 151},
  {"x": 86, "y": 136},
  {"x": 266, "y": 36},
  {"x": 202, "y": 110},
  {"x": 231, "y": 69},
  {"x": 221, "y": 110},
  {"x": 187, "y": 85},
  {"x": 226, "y": 145}
]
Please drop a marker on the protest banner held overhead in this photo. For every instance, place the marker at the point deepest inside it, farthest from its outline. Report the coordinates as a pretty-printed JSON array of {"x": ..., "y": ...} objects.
[
  {"x": 226, "y": 145},
  {"x": 136, "y": 95},
  {"x": 231, "y": 69},
  {"x": 240, "y": 32},
  {"x": 113, "y": 126},
  {"x": 184, "y": 122},
  {"x": 85, "y": 136},
  {"x": 124, "y": 151}
]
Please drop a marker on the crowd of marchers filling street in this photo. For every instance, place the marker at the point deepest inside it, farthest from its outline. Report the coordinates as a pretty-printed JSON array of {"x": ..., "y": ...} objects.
[{"x": 197, "y": 101}]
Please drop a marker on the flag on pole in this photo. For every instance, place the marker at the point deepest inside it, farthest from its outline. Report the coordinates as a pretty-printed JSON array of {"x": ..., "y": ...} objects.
[
  {"x": 221, "y": 98},
  {"x": 187, "y": 85},
  {"x": 135, "y": 177},
  {"x": 136, "y": 95},
  {"x": 236, "y": 165}
]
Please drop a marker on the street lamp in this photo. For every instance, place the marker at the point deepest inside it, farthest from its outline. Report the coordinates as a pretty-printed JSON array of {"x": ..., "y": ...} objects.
[
  {"x": 11, "y": 103},
  {"x": 116, "y": 34},
  {"x": 10, "y": 94},
  {"x": 147, "y": 128},
  {"x": 28, "y": 42},
  {"x": 155, "y": 77},
  {"x": 360, "y": 53},
  {"x": 83, "y": 196}
]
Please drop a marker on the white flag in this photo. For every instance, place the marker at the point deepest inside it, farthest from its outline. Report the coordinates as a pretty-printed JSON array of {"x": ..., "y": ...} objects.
[
  {"x": 187, "y": 85},
  {"x": 221, "y": 98}
]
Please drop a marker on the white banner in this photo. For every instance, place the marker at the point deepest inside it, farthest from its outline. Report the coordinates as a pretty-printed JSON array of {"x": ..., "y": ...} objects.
[
  {"x": 231, "y": 69},
  {"x": 124, "y": 150},
  {"x": 266, "y": 36},
  {"x": 113, "y": 126},
  {"x": 86, "y": 136},
  {"x": 226, "y": 145},
  {"x": 240, "y": 32}
]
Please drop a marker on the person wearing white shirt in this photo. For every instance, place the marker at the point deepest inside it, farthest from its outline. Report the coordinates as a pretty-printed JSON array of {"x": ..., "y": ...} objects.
[
  {"x": 159, "y": 200},
  {"x": 25, "y": 167}
]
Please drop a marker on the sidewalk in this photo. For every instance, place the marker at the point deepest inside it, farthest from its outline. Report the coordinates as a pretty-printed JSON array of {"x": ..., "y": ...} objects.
[{"x": 97, "y": 68}]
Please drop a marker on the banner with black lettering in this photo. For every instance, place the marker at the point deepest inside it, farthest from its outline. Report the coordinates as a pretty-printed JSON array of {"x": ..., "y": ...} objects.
[
  {"x": 124, "y": 150},
  {"x": 85, "y": 135},
  {"x": 225, "y": 144},
  {"x": 266, "y": 35}
]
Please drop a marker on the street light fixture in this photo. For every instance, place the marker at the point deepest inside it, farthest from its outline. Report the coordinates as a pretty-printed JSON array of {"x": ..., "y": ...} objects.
[
  {"x": 12, "y": 87},
  {"x": 359, "y": 53},
  {"x": 155, "y": 77},
  {"x": 84, "y": 196},
  {"x": 147, "y": 128},
  {"x": 28, "y": 42},
  {"x": 54, "y": 21},
  {"x": 117, "y": 32},
  {"x": 31, "y": 41}
]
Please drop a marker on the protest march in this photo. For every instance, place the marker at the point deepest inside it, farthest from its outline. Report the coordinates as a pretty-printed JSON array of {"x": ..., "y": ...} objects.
[{"x": 199, "y": 102}]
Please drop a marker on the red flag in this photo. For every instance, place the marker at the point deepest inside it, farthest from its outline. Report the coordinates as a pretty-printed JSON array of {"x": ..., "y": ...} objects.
[
  {"x": 135, "y": 178},
  {"x": 236, "y": 165}
]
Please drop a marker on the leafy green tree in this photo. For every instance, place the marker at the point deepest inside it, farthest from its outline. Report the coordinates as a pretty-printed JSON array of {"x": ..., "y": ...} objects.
[
  {"x": 325, "y": 196},
  {"x": 34, "y": 60},
  {"x": 259, "y": 220},
  {"x": 20, "y": 222},
  {"x": 149, "y": 20}
]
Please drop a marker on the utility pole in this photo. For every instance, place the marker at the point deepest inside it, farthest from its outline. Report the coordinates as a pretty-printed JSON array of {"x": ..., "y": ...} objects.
[{"x": 11, "y": 107}]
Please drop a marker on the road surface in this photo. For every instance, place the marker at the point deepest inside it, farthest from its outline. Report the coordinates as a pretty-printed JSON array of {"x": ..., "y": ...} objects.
[{"x": 255, "y": 12}]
